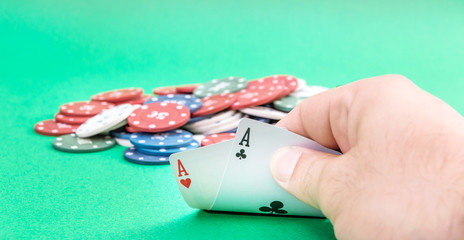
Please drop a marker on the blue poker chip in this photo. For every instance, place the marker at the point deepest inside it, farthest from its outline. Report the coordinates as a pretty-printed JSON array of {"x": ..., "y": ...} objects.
[
  {"x": 133, "y": 156},
  {"x": 231, "y": 131},
  {"x": 196, "y": 119},
  {"x": 169, "y": 139},
  {"x": 168, "y": 151},
  {"x": 120, "y": 133},
  {"x": 191, "y": 102},
  {"x": 264, "y": 120}
]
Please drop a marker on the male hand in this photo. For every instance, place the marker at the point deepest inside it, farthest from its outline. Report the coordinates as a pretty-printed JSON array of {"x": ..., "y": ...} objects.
[{"x": 401, "y": 175}]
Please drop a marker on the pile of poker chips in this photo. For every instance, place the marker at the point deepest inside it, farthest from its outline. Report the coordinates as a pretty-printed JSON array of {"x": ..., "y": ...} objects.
[{"x": 177, "y": 119}]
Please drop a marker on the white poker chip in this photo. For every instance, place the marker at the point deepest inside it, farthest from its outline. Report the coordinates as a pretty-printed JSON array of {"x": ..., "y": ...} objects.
[
  {"x": 105, "y": 121},
  {"x": 301, "y": 84},
  {"x": 308, "y": 91},
  {"x": 117, "y": 126},
  {"x": 212, "y": 127},
  {"x": 198, "y": 137},
  {"x": 224, "y": 127},
  {"x": 264, "y": 112},
  {"x": 217, "y": 117}
]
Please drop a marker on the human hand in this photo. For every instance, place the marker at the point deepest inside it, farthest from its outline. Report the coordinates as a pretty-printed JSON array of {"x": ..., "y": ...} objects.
[{"x": 401, "y": 174}]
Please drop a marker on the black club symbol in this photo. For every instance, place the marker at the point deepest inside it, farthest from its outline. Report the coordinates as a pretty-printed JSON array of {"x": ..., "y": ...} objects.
[
  {"x": 241, "y": 154},
  {"x": 275, "y": 208}
]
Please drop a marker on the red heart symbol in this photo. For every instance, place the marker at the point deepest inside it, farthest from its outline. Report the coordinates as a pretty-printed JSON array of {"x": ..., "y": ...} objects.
[{"x": 186, "y": 182}]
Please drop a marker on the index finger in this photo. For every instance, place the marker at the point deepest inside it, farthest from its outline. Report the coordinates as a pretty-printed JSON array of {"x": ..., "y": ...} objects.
[{"x": 322, "y": 118}]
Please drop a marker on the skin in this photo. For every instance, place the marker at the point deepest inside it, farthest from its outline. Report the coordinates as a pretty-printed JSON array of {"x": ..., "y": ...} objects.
[{"x": 401, "y": 174}]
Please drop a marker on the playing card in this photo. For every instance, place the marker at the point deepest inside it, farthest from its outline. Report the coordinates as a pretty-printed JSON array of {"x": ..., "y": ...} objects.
[
  {"x": 199, "y": 172},
  {"x": 247, "y": 184},
  {"x": 235, "y": 175}
]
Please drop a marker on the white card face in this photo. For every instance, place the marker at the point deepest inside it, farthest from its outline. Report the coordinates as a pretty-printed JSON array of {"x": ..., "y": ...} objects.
[
  {"x": 248, "y": 185},
  {"x": 199, "y": 172}
]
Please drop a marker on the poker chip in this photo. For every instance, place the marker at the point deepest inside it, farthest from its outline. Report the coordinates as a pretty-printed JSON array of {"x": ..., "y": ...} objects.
[
  {"x": 123, "y": 142},
  {"x": 75, "y": 144},
  {"x": 291, "y": 83},
  {"x": 216, "y": 117},
  {"x": 234, "y": 130},
  {"x": 218, "y": 86},
  {"x": 218, "y": 126},
  {"x": 196, "y": 119},
  {"x": 256, "y": 96},
  {"x": 216, "y": 138},
  {"x": 264, "y": 112},
  {"x": 187, "y": 88},
  {"x": 287, "y": 83},
  {"x": 288, "y": 103},
  {"x": 229, "y": 127},
  {"x": 215, "y": 103},
  {"x": 118, "y": 95},
  {"x": 120, "y": 133},
  {"x": 149, "y": 125},
  {"x": 159, "y": 117},
  {"x": 173, "y": 138},
  {"x": 133, "y": 129},
  {"x": 264, "y": 120},
  {"x": 84, "y": 109},
  {"x": 301, "y": 84},
  {"x": 73, "y": 120},
  {"x": 117, "y": 126},
  {"x": 138, "y": 101},
  {"x": 164, "y": 91},
  {"x": 267, "y": 82},
  {"x": 168, "y": 151},
  {"x": 53, "y": 128},
  {"x": 133, "y": 156},
  {"x": 308, "y": 91},
  {"x": 198, "y": 137},
  {"x": 191, "y": 102},
  {"x": 111, "y": 118}
]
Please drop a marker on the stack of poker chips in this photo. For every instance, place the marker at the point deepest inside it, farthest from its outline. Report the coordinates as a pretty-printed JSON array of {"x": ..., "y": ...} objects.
[{"x": 177, "y": 119}]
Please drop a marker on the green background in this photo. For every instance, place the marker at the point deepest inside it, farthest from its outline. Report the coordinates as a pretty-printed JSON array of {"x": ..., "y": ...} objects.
[{"x": 53, "y": 52}]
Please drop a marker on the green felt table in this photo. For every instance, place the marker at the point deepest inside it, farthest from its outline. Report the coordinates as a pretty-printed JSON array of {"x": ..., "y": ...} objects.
[{"x": 53, "y": 52}]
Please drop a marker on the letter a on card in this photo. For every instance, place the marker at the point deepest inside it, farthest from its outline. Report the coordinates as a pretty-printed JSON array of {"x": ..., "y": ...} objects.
[{"x": 181, "y": 169}]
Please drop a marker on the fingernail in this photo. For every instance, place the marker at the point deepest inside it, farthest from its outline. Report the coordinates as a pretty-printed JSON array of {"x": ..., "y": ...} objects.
[{"x": 283, "y": 163}]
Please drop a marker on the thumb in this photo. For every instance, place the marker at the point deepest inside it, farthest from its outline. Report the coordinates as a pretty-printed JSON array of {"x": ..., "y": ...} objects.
[{"x": 304, "y": 173}]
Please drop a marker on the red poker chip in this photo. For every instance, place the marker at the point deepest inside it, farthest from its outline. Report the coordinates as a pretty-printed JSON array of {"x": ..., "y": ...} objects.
[
  {"x": 256, "y": 96},
  {"x": 215, "y": 103},
  {"x": 73, "y": 120},
  {"x": 187, "y": 88},
  {"x": 133, "y": 129},
  {"x": 118, "y": 95},
  {"x": 159, "y": 117},
  {"x": 270, "y": 82},
  {"x": 290, "y": 81},
  {"x": 266, "y": 82},
  {"x": 52, "y": 128},
  {"x": 84, "y": 109},
  {"x": 164, "y": 90},
  {"x": 216, "y": 138},
  {"x": 138, "y": 101}
]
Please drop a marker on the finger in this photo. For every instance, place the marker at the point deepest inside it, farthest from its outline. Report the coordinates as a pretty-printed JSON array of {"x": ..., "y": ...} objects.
[
  {"x": 304, "y": 173},
  {"x": 323, "y": 118},
  {"x": 332, "y": 118}
]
